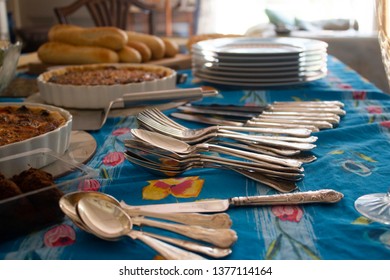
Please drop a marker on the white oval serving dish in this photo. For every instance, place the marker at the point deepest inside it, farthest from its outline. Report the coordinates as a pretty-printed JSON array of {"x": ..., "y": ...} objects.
[
  {"x": 99, "y": 96},
  {"x": 57, "y": 140}
]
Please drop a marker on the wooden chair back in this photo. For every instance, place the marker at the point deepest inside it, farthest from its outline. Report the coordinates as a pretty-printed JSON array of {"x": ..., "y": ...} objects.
[{"x": 107, "y": 12}]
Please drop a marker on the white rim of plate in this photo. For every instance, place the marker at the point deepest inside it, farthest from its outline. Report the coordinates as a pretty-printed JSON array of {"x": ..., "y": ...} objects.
[{"x": 223, "y": 46}]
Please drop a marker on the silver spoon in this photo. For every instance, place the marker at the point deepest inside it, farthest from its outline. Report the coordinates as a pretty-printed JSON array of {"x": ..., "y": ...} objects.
[
  {"x": 160, "y": 156},
  {"x": 68, "y": 204},
  {"x": 111, "y": 222},
  {"x": 279, "y": 184},
  {"x": 180, "y": 147},
  {"x": 69, "y": 201},
  {"x": 172, "y": 169},
  {"x": 221, "y": 237}
]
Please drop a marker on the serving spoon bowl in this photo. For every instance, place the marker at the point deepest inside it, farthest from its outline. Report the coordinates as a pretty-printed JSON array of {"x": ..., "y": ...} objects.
[
  {"x": 221, "y": 237},
  {"x": 69, "y": 202},
  {"x": 110, "y": 222}
]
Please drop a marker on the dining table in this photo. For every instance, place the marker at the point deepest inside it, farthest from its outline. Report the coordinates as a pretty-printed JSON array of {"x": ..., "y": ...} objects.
[{"x": 353, "y": 158}]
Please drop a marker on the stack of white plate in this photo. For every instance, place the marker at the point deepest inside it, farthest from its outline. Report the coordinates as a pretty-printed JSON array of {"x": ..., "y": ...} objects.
[{"x": 259, "y": 62}]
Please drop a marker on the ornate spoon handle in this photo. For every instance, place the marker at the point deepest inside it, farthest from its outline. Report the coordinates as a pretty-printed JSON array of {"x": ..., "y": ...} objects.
[
  {"x": 211, "y": 251},
  {"x": 166, "y": 250},
  {"x": 324, "y": 196},
  {"x": 222, "y": 238}
]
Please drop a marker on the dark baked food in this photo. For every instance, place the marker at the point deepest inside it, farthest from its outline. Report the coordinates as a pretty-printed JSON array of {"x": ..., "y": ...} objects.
[
  {"x": 35, "y": 203},
  {"x": 106, "y": 76},
  {"x": 18, "y": 123}
]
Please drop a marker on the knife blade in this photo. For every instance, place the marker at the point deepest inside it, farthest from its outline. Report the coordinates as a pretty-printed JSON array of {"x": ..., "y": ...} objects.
[
  {"x": 220, "y": 205},
  {"x": 206, "y": 120},
  {"x": 293, "y": 130},
  {"x": 197, "y": 110}
]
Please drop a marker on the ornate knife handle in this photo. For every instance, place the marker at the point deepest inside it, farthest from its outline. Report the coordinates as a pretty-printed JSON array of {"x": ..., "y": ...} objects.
[{"x": 321, "y": 196}]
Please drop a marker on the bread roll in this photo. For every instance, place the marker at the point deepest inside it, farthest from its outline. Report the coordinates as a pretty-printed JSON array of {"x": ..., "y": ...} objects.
[
  {"x": 142, "y": 48},
  {"x": 106, "y": 37},
  {"x": 60, "y": 53},
  {"x": 129, "y": 55},
  {"x": 171, "y": 47},
  {"x": 155, "y": 43}
]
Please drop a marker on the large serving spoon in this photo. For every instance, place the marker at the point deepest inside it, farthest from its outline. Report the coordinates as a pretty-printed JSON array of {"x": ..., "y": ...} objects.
[
  {"x": 180, "y": 147},
  {"x": 111, "y": 222},
  {"x": 69, "y": 201},
  {"x": 69, "y": 205}
]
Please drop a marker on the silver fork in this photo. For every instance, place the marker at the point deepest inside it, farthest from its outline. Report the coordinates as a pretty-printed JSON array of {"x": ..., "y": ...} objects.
[{"x": 159, "y": 116}]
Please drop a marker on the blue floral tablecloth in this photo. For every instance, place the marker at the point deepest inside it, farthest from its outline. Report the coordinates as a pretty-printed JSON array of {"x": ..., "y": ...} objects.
[{"x": 353, "y": 158}]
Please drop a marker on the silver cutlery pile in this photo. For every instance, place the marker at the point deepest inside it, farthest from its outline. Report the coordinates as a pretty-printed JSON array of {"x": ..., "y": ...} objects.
[
  {"x": 102, "y": 215},
  {"x": 207, "y": 231},
  {"x": 311, "y": 115},
  {"x": 272, "y": 155}
]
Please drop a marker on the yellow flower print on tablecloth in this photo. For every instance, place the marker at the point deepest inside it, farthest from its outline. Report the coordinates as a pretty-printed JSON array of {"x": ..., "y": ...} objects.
[{"x": 178, "y": 187}]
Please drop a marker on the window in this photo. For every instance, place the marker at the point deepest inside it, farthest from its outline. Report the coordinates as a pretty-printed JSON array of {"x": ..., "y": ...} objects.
[{"x": 232, "y": 16}]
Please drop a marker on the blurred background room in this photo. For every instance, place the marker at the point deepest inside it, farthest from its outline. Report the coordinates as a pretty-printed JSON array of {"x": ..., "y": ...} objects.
[{"x": 348, "y": 26}]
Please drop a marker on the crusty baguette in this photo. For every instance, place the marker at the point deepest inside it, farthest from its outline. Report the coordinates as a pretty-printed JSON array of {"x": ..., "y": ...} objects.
[
  {"x": 129, "y": 55},
  {"x": 155, "y": 43},
  {"x": 171, "y": 47},
  {"x": 106, "y": 37},
  {"x": 143, "y": 49},
  {"x": 62, "y": 54}
]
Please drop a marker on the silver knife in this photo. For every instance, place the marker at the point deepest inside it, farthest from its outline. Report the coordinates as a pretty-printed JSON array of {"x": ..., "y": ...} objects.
[
  {"x": 206, "y": 120},
  {"x": 220, "y": 205},
  {"x": 292, "y": 131}
]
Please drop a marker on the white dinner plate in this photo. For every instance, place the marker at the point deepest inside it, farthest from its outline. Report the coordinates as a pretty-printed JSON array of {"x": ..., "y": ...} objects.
[
  {"x": 243, "y": 83},
  {"x": 263, "y": 68},
  {"x": 258, "y": 58},
  {"x": 253, "y": 46},
  {"x": 269, "y": 79},
  {"x": 254, "y": 74},
  {"x": 240, "y": 63}
]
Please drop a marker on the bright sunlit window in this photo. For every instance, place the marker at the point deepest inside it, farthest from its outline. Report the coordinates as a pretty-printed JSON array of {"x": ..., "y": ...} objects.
[{"x": 232, "y": 16}]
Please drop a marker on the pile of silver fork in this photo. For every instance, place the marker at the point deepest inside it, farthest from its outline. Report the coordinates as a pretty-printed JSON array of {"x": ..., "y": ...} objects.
[{"x": 271, "y": 155}]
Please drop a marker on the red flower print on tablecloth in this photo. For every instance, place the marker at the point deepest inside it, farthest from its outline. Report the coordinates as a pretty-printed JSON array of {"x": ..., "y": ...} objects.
[
  {"x": 287, "y": 233},
  {"x": 385, "y": 124},
  {"x": 121, "y": 131},
  {"x": 288, "y": 213},
  {"x": 89, "y": 185},
  {"x": 345, "y": 86},
  {"x": 113, "y": 159},
  {"x": 374, "y": 109},
  {"x": 178, "y": 187},
  {"x": 359, "y": 95},
  {"x": 62, "y": 235}
]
